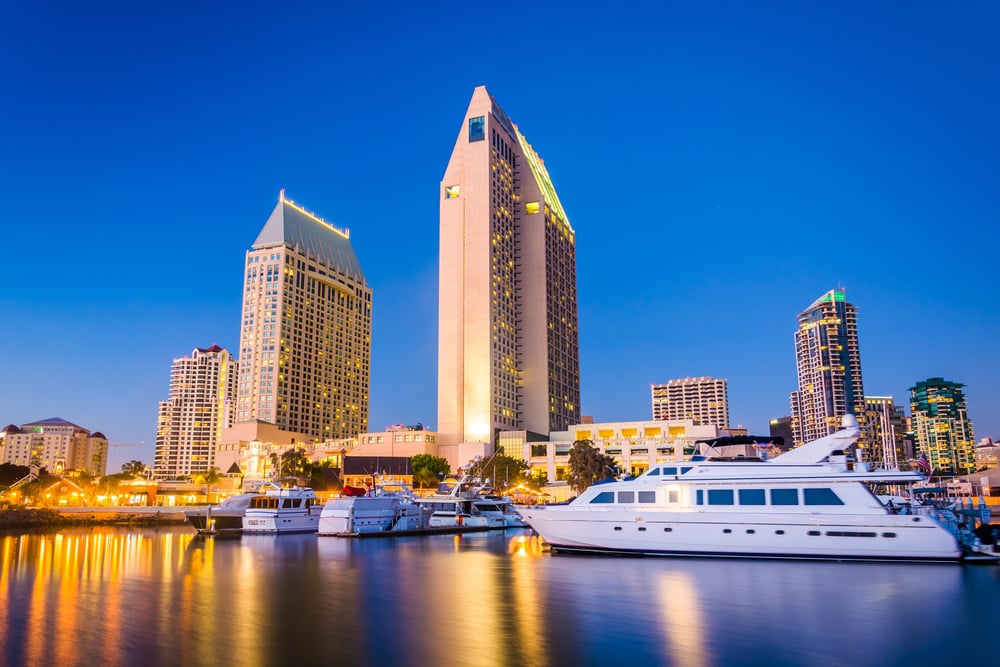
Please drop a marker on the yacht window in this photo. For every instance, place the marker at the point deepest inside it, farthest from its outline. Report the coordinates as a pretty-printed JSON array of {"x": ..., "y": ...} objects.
[
  {"x": 685, "y": 469},
  {"x": 820, "y": 497},
  {"x": 849, "y": 533},
  {"x": 699, "y": 494},
  {"x": 672, "y": 496},
  {"x": 670, "y": 471},
  {"x": 604, "y": 497},
  {"x": 653, "y": 472},
  {"x": 626, "y": 496},
  {"x": 720, "y": 496},
  {"x": 784, "y": 496},
  {"x": 752, "y": 497},
  {"x": 647, "y": 496}
]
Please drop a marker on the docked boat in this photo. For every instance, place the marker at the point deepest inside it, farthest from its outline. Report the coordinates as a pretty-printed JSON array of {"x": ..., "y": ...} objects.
[
  {"x": 500, "y": 512},
  {"x": 283, "y": 510},
  {"x": 388, "y": 508},
  {"x": 226, "y": 518},
  {"x": 813, "y": 502}
]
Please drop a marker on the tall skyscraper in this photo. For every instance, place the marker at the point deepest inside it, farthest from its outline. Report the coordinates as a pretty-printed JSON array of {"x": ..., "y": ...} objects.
[
  {"x": 305, "y": 343},
  {"x": 508, "y": 356},
  {"x": 190, "y": 422},
  {"x": 942, "y": 426},
  {"x": 704, "y": 399},
  {"x": 828, "y": 361}
]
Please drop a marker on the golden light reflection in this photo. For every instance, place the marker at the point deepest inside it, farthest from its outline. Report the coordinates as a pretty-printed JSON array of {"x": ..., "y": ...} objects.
[
  {"x": 682, "y": 616},
  {"x": 528, "y": 601}
]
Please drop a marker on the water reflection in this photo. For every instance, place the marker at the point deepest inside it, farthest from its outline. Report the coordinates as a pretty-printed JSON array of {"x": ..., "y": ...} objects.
[{"x": 166, "y": 597}]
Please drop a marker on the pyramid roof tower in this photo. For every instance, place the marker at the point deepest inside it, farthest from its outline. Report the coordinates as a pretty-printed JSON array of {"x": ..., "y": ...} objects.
[{"x": 291, "y": 224}]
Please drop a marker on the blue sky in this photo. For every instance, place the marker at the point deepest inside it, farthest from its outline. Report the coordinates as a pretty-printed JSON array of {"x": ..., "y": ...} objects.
[{"x": 723, "y": 165}]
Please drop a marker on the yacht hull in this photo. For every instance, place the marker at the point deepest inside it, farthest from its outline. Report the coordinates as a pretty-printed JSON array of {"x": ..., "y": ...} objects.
[
  {"x": 305, "y": 523},
  {"x": 743, "y": 535}
]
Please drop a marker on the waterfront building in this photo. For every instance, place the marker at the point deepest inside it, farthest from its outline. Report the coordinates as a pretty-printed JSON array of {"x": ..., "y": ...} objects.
[
  {"x": 987, "y": 454},
  {"x": 250, "y": 450},
  {"x": 189, "y": 423},
  {"x": 508, "y": 354},
  {"x": 635, "y": 445},
  {"x": 703, "y": 399},
  {"x": 54, "y": 445},
  {"x": 305, "y": 340},
  {"x": 828, "y": 365},
  {"x": 942, "y": 426}
]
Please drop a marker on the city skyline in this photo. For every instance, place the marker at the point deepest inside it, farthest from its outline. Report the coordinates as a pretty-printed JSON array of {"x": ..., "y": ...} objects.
[{"x": 722, "y": 166}]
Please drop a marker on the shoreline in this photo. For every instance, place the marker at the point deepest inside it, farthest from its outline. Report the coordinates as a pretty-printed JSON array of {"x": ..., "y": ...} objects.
[{"x": 45, "y": 517}]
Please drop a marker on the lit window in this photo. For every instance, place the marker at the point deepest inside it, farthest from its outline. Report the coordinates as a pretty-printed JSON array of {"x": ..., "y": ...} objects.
[
  {"x": 451, "y": 191},
  {"x": 531, "y": 207}
]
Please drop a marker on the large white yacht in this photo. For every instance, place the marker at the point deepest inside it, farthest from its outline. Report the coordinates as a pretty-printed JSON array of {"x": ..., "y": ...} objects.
[
  {"x": 811, "y": 502},
  {"x": 283, "y": 510}
]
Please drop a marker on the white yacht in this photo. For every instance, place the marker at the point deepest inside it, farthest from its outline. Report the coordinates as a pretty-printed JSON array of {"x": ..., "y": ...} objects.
[
  {"x": 283, "y": 510},
  {"x": 811, "y": 502},
  {"x": 388, "y": 507}
]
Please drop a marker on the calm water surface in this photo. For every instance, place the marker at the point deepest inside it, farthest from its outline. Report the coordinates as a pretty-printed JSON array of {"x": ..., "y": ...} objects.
[{"x": 154, "y": 597}]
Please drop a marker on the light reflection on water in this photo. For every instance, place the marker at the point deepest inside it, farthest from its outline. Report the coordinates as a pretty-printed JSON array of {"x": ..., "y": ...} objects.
[{"x": 166, "y": 597}]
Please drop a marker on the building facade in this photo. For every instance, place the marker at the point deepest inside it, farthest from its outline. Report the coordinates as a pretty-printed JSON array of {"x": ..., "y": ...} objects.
[
  {"x": 55, "y": 445},
  {"x": 781, "y": 427},
  {"x": 635, "y": 446},
  {"x": 828, "y": 364},
  {"x": 942, "y": 427},
  {"x": 887, "y": 429},
  {"x": 508, "y": 353},
  {"x": 704, "y": 400},
  {"x": 305, "y": 341},
  {"x": 190, "y": 423}
]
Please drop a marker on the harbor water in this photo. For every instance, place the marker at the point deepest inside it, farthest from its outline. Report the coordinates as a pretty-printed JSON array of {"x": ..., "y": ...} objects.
[{"x": 149, "y": 597}]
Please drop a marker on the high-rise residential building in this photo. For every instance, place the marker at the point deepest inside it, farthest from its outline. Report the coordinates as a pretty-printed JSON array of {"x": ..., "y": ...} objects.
[
  {"x": 828, "y": 361},
  {"x": 703, "y": 399},
  {"x": 190, "y": 422},
  {"x": 305, "y": 342},
  {"x": 942, "y": 426},
  {"x": 508, "y": 354},
  {"x": 54, "y": 445},
  {"x": 887, "y": 429}
]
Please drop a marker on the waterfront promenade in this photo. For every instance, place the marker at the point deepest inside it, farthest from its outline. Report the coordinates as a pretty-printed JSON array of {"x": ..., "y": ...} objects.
[{"x": 12, "y": 520}]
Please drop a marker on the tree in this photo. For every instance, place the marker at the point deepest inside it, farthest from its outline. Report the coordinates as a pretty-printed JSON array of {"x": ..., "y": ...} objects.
[
  {"x": 588, "y": 465},
  {"x": 133, "y": 468},
  {"x": 208, "y": 478},
  {"x": 501, "y": 470},
  {"x": 538, "y": 480},
  {"x": 426, "y": 468},
  {"x": 295, "y": 463}
]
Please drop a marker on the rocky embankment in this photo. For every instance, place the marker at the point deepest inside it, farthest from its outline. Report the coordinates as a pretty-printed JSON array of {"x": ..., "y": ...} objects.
[{"x": 19, "y": 519}]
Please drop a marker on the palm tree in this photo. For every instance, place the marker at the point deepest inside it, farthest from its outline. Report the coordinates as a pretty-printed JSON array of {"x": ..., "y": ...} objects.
[{"x": 208, "y": 478}]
